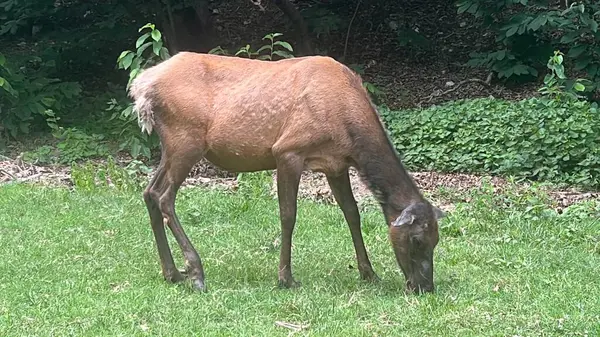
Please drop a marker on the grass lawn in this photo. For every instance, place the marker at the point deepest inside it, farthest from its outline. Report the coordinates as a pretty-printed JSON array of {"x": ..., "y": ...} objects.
[{"x": 85, "y": 264}]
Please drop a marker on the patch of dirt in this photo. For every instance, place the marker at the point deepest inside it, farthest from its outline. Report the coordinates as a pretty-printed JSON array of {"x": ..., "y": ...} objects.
[{"x": 313, "y": 186}]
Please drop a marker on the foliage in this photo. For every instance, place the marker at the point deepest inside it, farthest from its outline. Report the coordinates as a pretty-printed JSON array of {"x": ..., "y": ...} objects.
[
  {"x": 72, "y": 145},
  {"x": 376, "y": 94},
  {"x": 29, "y": 96},
  {"x": 285, "y": 49},
  {"x": 555, "y": 82},
  {"x": 123, "y": 126},
  {"x": 90, "y": 177},
  {"x": 136, "y": 142},
  {"x": 137, "y": 61},
  {"x": 321, "y": 21},
  {"x": 526, "y": 31},
  {"x": 535, "y": 138},
  {"x": 75, "y": 145}
]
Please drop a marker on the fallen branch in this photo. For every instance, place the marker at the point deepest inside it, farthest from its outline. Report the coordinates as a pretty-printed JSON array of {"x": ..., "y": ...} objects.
[
  {"x": 258, "y": 3},
  {"x": 436, "y": 93},
  {"x": 8, "y": 174}
]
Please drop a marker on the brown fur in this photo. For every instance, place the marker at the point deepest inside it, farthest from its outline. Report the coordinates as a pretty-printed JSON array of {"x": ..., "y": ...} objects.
[{"x": 291, "y": 115}]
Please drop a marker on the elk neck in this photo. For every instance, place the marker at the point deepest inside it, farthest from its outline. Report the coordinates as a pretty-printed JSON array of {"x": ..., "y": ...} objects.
[{"x": 380, "y": 167}]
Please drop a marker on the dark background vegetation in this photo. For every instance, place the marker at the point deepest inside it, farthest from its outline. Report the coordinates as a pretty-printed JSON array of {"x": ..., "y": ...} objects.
[{"x": 62, "y": 95}]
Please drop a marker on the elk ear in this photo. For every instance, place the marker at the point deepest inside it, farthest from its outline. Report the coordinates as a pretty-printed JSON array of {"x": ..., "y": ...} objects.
[
  {"x": 438, "y": 213},
  {"x": 405, "y": 218}
]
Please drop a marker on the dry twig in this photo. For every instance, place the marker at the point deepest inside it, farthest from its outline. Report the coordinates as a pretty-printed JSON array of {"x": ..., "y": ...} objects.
[
  {"x": 294, "y": 327},
  {"x": 259, "y": 4},
  {"x": 436, "y": 93}
]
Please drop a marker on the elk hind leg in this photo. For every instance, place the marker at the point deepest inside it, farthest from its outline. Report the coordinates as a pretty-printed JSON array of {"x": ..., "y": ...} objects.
[
  {"x": 178, "y": 164},
  {"x": 169, "y": 271}
]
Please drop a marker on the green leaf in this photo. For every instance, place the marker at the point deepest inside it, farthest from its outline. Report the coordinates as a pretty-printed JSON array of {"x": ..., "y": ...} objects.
[
  {"x": 148, "y": 25},
  {"x": 264, "y": 57},
  {"x": 141, "y": 40},
  {"x": 156, "y": 46},
  {"x": 283, "y": 54},
  {"x": 473, "y": 9},
  {"x": 500, "y": 55},
  {"x": 156, "y": 35},
  {"x": 164, "y": 53},
  {"x": 48, "y": 101},
  {"x": 123, "y": 53},
  {"x": 594, "y": 26},
  {"x": 582, "y": 63},
  {"x": 126, "y": 62},
  {"x": 284, "y": 45},
  {"x": 142, "y": 48},
  {"x": 520, "y": 69},
  {"x": 2, "y": 59},
  {"x": 463, "y": 8},
  {"x": 538, "y": 22},
  {"x": 24, "y": 127},
  {"x": 512, "y": 31},
  {"x": 569, "y": 37},
  {"x": 577, "y": 50},
  {"x": 579, "y": 87},
  {"x": 263, "y": 48},
  {"x": 592, "y": 70},
  {"x": 2, "y": 81}
]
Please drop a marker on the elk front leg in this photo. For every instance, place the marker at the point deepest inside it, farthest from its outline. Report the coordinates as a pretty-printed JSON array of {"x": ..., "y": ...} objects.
[
  {"x": 289, "y": 171},
  {"x": 342, "y": 191}
]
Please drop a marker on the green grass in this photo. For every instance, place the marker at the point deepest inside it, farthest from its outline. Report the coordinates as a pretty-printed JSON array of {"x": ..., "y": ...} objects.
[{"x": 85, "y": 264}]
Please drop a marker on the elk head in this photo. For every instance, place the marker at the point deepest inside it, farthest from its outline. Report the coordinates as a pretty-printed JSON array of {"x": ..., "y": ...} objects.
[{"x": 414, "y": 235}]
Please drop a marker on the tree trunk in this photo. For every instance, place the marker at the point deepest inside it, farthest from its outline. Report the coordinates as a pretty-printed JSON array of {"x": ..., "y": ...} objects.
[
  {"x": 190, "y": 28},
  {"x": 302, "y": 30}
]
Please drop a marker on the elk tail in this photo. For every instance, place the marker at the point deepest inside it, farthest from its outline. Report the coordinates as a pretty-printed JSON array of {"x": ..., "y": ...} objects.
[{"x": 141, "y": 91}]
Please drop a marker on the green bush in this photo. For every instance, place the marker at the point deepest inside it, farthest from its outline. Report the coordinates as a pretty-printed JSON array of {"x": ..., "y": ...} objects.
[
  {"x": 526, "y": 31},
  {"x": 29, "y": 96},
  {"x": 538, "y": 139}
]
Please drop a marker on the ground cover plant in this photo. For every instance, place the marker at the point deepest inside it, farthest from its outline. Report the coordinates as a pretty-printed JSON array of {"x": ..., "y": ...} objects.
[
  {"x": 533, "y": 138},
  {"x": 83, "y": 263}
]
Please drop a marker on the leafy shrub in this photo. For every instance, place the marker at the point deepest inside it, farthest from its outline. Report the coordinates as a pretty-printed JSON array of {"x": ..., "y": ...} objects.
[
  {"x": 90, "y": 177},
  {"x": 376, "y": 94},
  {"x": 73, "y": 145},
  {"x": 28, "y": 95},
  {"x": 526, "y": 31},
  {"x": 285, "y": 49},
  {"x": 556, "y": 81},
  {"x": 321, "y": 21},
  {"x": 136, "y": 142},
  {"x": 538, "y": 139}
]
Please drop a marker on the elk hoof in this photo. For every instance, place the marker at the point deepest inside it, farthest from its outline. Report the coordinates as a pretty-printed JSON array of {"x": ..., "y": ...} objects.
[
  {"x": 289, "y": 283},
  {"x": 174, "y": 277},
  {"x": 369, "y": 276}
]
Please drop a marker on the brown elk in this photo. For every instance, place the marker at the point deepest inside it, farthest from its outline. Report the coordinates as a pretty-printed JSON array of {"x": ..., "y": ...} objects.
[{"x": 290, "y": 115}]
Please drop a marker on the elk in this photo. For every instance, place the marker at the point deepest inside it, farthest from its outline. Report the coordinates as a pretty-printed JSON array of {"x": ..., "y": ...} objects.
[{"x": 305, "y": 113}]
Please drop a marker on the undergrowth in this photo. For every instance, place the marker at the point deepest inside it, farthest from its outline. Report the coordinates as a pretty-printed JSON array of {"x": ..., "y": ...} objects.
[{"x": 533, "y": 139}]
